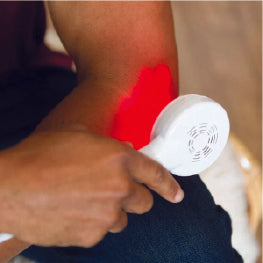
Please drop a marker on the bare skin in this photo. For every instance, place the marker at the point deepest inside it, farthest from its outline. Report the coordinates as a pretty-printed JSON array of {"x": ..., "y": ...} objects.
[
  {"x": 67, "y": 183},
  {"x": 79, "y": 196}
]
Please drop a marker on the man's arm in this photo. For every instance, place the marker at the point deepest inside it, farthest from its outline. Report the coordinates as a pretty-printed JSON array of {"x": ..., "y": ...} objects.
[{"x": 111, "y": 43}]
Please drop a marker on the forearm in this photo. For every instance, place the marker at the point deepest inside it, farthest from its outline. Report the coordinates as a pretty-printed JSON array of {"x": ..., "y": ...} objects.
[
  {"x": 111, "y": 43},
  {"x": 11, "y": 248}
]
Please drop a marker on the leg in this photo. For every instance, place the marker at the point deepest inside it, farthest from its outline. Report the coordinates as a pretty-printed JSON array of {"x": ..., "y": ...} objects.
[{"x": 195, "y": 230}]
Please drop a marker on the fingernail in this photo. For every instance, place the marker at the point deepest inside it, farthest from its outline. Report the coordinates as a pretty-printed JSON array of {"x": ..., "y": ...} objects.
[{"x": 179, "y": 196}]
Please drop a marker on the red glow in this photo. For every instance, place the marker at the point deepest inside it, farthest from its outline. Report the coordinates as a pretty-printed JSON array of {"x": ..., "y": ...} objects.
[{"x": 137, "y": 113}]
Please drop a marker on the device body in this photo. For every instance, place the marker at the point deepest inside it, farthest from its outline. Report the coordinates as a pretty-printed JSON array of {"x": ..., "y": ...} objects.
[{"x": 188, "y": 135}]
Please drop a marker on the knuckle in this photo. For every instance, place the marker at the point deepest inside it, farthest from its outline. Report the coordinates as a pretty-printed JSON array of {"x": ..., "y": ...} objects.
[
  {"x": 123, "y": 225},
  {"x": 122, "y": 156},
  {"x": 90, "y": 235},
  {"x": 113, "y": 219},
  {"x": 121, "y": 181},
  {"x": 124, "y": 187},
  {"x": 159, "y": 175},
  {"x": 98, "y": 238},
  {"x": 92, "y": 241},
  {"x": 147, "y": 206}
]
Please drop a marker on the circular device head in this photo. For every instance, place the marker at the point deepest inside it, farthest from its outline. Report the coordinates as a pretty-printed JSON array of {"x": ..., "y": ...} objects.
[{"x": 189, "y": 135}]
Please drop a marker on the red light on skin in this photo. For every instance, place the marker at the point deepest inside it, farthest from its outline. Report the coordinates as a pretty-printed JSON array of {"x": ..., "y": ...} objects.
[{"x": 137, "y": 113}]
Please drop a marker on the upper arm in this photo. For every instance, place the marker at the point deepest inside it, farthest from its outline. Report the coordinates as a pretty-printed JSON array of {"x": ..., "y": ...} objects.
[{"x": 109, "y": 38}]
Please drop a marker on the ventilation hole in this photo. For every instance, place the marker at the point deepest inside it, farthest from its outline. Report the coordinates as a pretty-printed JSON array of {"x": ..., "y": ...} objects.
[
  {"x": 216, "y": 138},
  {"x": 211, "y": 132},
  {"x": 207, "y": 152}
]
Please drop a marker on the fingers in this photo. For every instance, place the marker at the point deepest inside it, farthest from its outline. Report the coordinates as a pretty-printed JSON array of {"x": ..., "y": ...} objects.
[
  {"x": 84, "y": 235},
  {"x": 139, "y": 201},
  {"x": 120, "y": 223},
  {"x": 156, "y": 177}
]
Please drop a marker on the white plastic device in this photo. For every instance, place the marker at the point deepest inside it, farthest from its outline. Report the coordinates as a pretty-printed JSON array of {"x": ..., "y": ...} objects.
[
  {"x": 5, "y": 237},
  {"x": 188, "y": 136}
]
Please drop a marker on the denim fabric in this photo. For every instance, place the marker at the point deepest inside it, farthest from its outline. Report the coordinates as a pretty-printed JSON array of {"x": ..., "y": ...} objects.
[{"x": 193, "y": 231}]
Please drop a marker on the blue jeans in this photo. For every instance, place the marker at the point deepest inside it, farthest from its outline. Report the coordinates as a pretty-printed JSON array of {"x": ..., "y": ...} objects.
[{"x": 193, "y": 231}]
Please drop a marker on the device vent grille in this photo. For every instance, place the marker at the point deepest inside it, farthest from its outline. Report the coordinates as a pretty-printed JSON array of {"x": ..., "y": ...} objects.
[{"x": 203, "y": 138}]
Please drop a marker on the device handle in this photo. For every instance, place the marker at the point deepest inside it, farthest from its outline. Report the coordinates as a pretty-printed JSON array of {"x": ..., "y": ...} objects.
[
  {"x": 154, "y": 148},
  {"x": 5, "y": 236}
]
